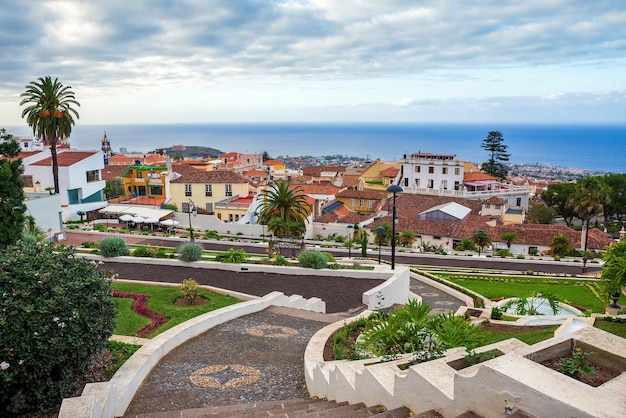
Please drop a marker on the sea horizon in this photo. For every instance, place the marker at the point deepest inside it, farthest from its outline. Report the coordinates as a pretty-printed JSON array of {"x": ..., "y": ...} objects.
[{"x": 596, "y": 147}]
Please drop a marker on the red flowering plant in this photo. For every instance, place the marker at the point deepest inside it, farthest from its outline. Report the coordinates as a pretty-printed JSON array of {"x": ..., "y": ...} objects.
[{"x": 140, "y": 307}]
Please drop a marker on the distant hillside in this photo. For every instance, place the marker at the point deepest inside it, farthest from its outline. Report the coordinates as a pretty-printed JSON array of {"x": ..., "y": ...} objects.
[{"x": 191, "y": 152}]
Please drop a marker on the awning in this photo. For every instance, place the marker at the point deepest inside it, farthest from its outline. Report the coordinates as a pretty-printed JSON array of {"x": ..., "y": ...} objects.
[
  {"x": 143, "y": 211},
  {"x": 480, "y": 183}
]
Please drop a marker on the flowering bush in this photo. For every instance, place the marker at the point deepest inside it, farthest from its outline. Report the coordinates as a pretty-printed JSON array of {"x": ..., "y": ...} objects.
[
  {"x": 140, "y": 307},
  {"x": 190, "y": 289},
  {"x": 55, "y": 314}
]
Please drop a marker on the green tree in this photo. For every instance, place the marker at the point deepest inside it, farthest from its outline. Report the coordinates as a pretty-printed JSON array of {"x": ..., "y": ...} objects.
[
  {"x": 266, "y": 156},
  {"x": 50, "y": 114},
  {"x": 482, "y": 240},
  {"x": 560, "y": 245},
  {"x": 589, "y": 200},
  {"x": 613, "y": 277},
  {"x": 509, "y": 238},
  {"x": 541, "y": 214},
  {"x": 284, "y": 209},
  {"x": 617, "y": 203},
  {"x": 56, "y": 315},
  {"x": 560, "y": 197},
  {"x": 407, "y": 238},
  {"x": 383, "y": 237},
  {"x": 493, "y": 143},
  {"x": 12, "y": 206},
  {"x": 113, "y": 188}
]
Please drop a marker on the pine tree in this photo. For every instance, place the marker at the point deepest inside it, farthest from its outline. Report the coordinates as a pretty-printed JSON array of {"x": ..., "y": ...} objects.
[{"x": 497, "y": 155}]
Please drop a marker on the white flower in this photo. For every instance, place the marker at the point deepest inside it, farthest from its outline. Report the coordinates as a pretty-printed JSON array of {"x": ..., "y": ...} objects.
[
  {"x": 4, "y": 365},
  {"x": 55, "y": 319},
  {"x": 61, "y": 324},
  {"x": 20, "y": 362},
  {"x": 35, "y": 333}
]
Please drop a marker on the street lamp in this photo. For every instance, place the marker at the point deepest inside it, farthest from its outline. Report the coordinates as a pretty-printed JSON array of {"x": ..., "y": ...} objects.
[
  {"x": 263, "y": 233},
  {"x": 394, "y": 188},
  {"x": 380, "y": 231},
  {"x": 191, "y": 208},
  {"x": 350, "y": 241}
]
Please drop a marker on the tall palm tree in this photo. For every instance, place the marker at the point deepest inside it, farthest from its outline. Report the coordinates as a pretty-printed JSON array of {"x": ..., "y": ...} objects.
[
  {"x": 589, "y": 199},
  {"x": 284, "y": 209},
  {"x": 50, "y": 114}
]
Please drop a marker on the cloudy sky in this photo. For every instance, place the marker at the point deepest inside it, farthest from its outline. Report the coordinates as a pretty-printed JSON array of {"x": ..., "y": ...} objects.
[{"x": 178, "y": 61}]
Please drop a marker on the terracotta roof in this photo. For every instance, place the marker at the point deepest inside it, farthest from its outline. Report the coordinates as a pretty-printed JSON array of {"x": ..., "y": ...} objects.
[
  {"x": 190, "y": 174},
  {"x": 66, "y": 158},
  {"x": 319, "y": 189},
  {"x": 476, "y": 176},
  {"x": 256, "y": 173},
  {"x": 122, "y": 159},
  {"x": 361, "y": 194},
  {"x": 494, "y": 200},
  {"x": 273, "y": 162},
  {"x": 350, "y": 182},
  {"x": 390, "y": 172},
  {"x": 109, "y": 172}
]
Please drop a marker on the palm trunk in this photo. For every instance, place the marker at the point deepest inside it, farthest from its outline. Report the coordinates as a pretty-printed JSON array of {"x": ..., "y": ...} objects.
[{"x": 55, "y": 164}]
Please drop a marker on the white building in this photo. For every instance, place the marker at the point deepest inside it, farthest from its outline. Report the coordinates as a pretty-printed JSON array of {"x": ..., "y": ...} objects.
[{"x": 428, "y": 171}]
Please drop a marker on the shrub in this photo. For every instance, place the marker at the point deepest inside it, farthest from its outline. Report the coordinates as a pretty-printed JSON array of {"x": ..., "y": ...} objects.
[
  {"x": 100, "y": 227},
  {"x": 312, "y": 259},
  {"x": 89, "y": 244},
  {"x": 329, "y": 257},
  {"x": 189, "y": 289},
  {"x": 279, "y": 260},
  {"x": 557, "y": 258},
  {"x": 29, "y": 239},
  {"x": 190, "y": 252},
  {"x": 232, "y": 256},
  {"x": 520, "y": 256},
  {"x": 496, "y": 313},
  {"x": 503, "y": 252},
  {"x": 55, "y": 314},
  {"x": 146, "y": 251},
  {"x": 113, "y": 247}
]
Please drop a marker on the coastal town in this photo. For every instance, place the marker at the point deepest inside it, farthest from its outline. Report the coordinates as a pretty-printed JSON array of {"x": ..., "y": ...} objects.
[{"x": 443, "y": 200}]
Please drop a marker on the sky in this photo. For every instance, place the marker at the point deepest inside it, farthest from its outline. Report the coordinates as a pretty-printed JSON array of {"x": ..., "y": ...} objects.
[{"x": 210, "y": 61}]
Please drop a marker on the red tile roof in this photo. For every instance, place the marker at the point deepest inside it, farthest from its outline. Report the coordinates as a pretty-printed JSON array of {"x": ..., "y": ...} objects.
[
  {"x": 390, "y": 172},
  {"x": 270, "y": 163},
  {"x": 109, "y": 172},
  {"x": 319, "y": 189},
  {"x": 66, "y": 158},
  {"x": 316, "y": 170},
  {"x": 477, "y": 176},
  {"x": 190, "y": 174},
  {"x": 256, "y": 173},
  {"x": 361, "y": 194}
]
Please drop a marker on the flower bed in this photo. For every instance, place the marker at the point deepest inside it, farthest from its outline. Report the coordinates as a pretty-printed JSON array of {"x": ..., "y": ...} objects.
[{"x": 140, "y": 307}]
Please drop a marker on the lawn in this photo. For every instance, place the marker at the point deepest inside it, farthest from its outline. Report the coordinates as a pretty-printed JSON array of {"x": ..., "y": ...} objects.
[
  {"x": 579, "y": 293},
  {"x": 614, "y": 327},
  {"x": 162, "y": 300},
  {"x": 529, "y": 335}
]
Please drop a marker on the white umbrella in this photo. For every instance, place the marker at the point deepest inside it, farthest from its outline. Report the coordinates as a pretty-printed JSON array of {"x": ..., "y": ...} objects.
[
  {"x": 126, "y": 217},
  {"x": 138, "y": 219},
  {"x": 169, "y": 222},
  {"x": 151, "y": 221}
]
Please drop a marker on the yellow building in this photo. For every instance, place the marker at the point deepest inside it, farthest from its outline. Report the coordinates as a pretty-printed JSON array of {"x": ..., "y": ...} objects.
[
  {"x": 206, "y": 188},
  {"x": 361, "y": 201},
  {"x": 145, "y": 180},
  {"x": 378, "y": 176}
]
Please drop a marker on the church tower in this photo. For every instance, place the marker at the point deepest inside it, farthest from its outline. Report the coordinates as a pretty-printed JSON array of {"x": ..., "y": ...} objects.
[{"x": 106, "y": 148}]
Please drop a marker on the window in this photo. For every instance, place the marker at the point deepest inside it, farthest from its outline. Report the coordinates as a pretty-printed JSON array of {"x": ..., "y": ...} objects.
[
  {"x": 209, "y": 208},
  {"x": 519, "y": 201},
  {"x": 457, "y": 171},
  {"x": 361, "y": 203},
  {"x": 139, "y": 174},
  {"x": 187, "y": 189},
  {"x": 444, "y": 184},
  {"x": 27, "y": 180},
  {"x": 431, "y": 170},
  {"x": 417, "y": 183},
  {"x": 456, "y": 185},
  {"x": 352, "y": 202},
  {"x": 230, "y": 217},
  {"x": 370, "y": 204},
  {"x": 444, "y": 170},
  {"x": 406, "y": 182},
  {"x": 208, "y": 190},
  {"x": 431, "y": 183},
  {"x": 497, "y": 207},
  {"x": 229, "y": 190},
  {"x": 93, "y": 175},
  {"x": 487, "y": 206},
  {"x": 418, "y": 168}
]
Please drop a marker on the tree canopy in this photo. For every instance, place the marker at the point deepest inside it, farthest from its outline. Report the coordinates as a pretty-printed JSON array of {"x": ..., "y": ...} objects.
[
  {"x": 284, "y": 209},
  {"x": 498, "y": 155},
  {"x": 12, "y": 206},
  {"x": 560, "y": 197}
]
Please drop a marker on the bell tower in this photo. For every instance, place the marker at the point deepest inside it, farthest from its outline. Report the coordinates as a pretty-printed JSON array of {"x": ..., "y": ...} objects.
[{"x": 106, "y": 148}]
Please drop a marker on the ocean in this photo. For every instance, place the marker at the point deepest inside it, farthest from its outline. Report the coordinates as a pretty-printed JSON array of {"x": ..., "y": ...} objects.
[{"x": 592, "y": 147}]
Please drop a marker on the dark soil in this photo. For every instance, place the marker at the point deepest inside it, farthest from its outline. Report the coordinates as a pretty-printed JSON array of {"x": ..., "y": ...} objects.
[
  {"x": 602, "y": 375},
  {"x": 198, "y": 301},
  {"x": 513, "y": 329},
  {"x": 341, "y": 294}
]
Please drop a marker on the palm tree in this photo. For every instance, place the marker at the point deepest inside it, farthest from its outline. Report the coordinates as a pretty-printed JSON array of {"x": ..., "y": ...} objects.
[
  {"x": 482, "y": 240},
  {"x": 284, "y": 209},
  {"x": 50, "y": 114},
  {"x": 560, "y": 245},
  {"x": 509, "y": 238},
  {"x": 407, "y": 238},
  {"x": 589, "y": 199},
  {"x": 613, "y": 277}
]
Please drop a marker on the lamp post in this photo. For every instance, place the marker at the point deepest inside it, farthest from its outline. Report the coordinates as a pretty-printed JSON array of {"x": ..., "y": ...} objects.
[
  {"x": 350, "y": 241},
  {"x": 192, "y": 208},
  {"x": 263, "y": 233},
  {"x": 380, "y": 231},
  {"x": 394, "y": 188}
]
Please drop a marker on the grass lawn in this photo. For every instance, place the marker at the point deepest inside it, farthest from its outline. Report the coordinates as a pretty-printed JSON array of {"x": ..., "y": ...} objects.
[
  {"x": 529, "y": 336},
  {"x": 617, "y": 328},
  {"x": 571, "y": 291},
  {"x": 161, "y": 300}
]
